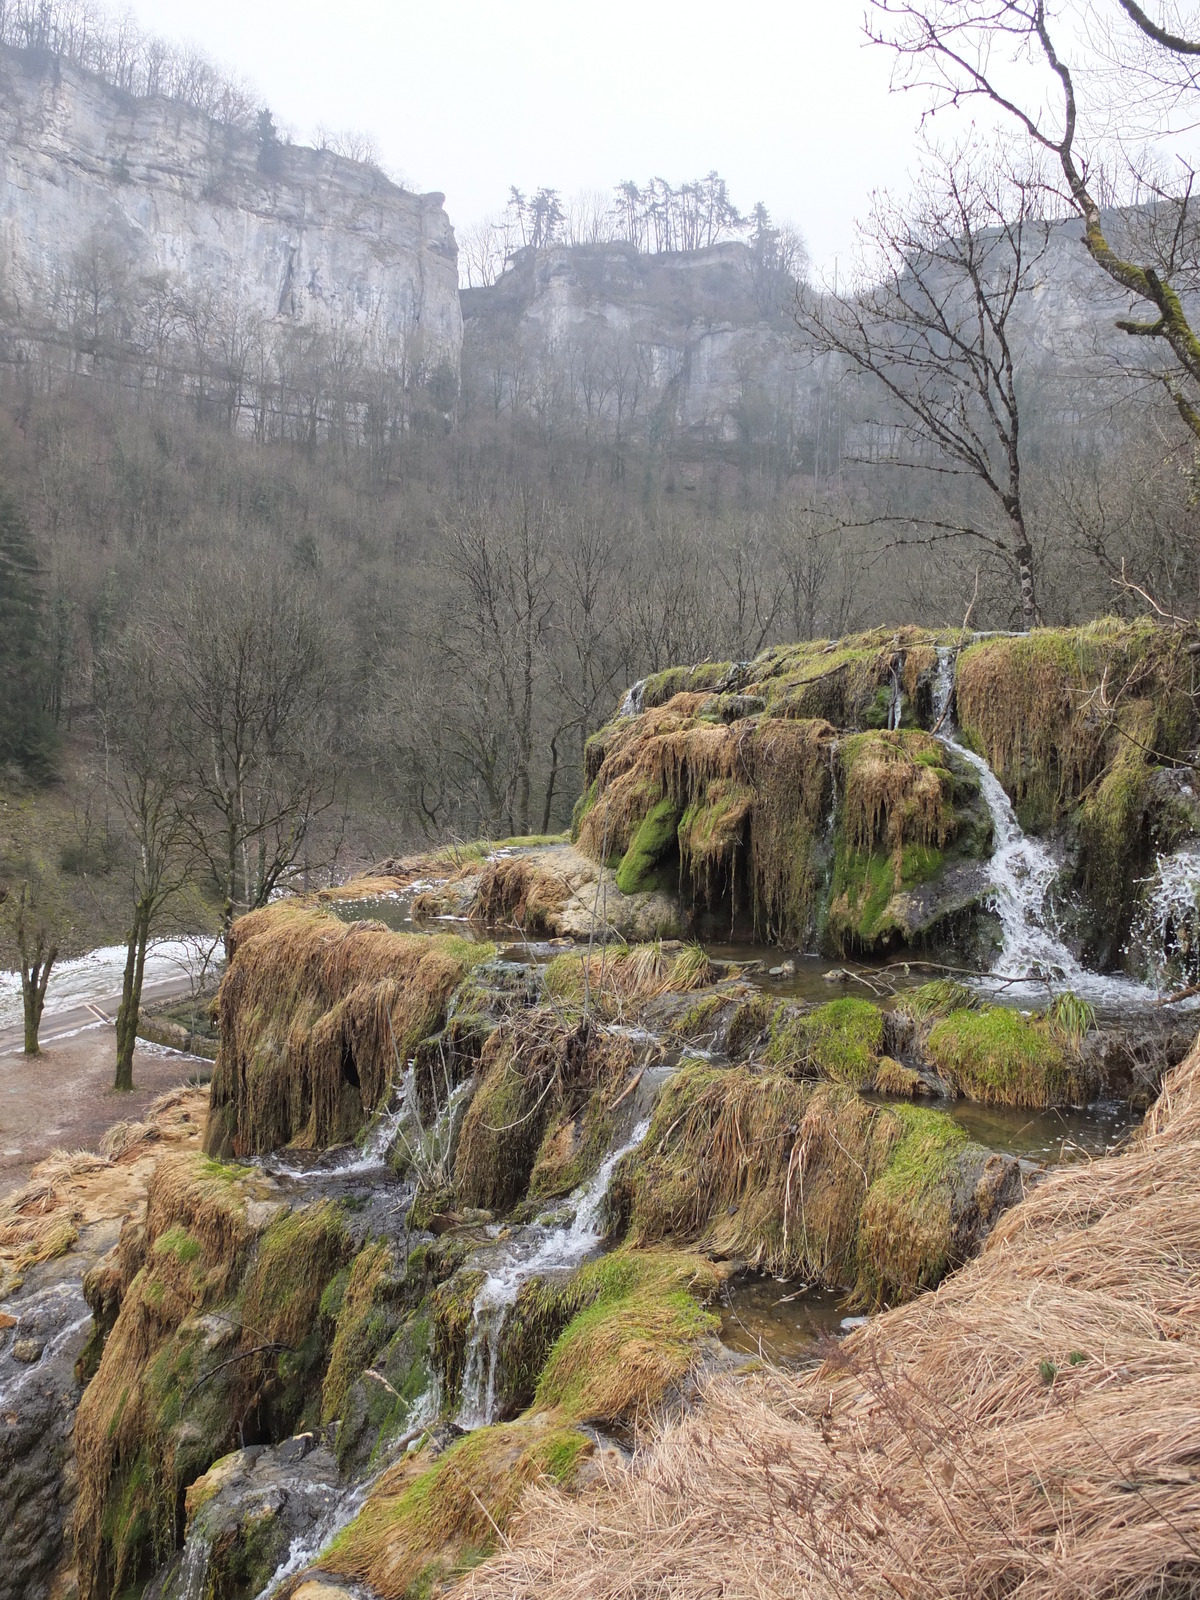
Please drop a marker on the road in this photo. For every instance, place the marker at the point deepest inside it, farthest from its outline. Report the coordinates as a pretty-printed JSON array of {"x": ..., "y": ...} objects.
[
  {"x": 86, "y": 993},
  {"x": 96, "y": 1013}
]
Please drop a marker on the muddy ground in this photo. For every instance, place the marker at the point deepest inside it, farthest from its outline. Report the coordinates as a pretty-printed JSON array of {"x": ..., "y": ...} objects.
[{"x": 64, "y": 1098}]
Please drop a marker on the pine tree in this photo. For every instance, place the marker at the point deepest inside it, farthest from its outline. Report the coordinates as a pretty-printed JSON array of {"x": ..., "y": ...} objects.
[{"x": 26, "y": 732}]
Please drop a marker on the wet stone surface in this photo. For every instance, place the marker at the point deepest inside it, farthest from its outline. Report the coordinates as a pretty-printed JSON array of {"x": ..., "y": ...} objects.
[{"x": 39, "y": 1393}]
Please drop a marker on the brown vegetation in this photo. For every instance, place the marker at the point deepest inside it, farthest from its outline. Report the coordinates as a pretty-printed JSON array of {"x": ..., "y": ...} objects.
[
  {"x": 315, "y": 1014},
  {"x": 1029, "y": 1429}
]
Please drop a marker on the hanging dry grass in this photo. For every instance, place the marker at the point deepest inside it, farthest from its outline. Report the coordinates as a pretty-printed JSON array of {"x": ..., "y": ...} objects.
[
  {"x": 195, "y": 1236},
  {"x": 810, "y": 1179},
  {"x": 897, "y": 792},
  {"x": 520, "y": 892},
  {"x": 314, "y": 1013},
  {"x": 1027, "y": 1431},
  {"x": 537, "y": 1068},
  {"x": 751, "y": 797}
]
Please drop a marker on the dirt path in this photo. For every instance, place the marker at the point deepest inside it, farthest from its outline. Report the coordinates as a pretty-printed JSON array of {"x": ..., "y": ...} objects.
[{"x": 64, "y": 1097}]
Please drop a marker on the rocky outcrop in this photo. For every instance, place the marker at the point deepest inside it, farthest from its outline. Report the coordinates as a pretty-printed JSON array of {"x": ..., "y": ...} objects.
[
  {"x": 695, "y": 342},
  {"x": 117, "y": 212}
]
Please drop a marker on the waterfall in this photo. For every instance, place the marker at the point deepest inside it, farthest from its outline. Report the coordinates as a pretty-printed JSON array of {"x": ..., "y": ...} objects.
[
  {"x": 1165, "y": 937},
  {"x": 631, "y": 706},
  {"x": 372, "y": 1156},
  {"x": 531, "y": 1255},
  {"x": 1022, "y": 871}
]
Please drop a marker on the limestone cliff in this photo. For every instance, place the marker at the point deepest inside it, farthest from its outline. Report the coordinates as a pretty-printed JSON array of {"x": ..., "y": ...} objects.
[
  {"x": 117, "y": 213},
  {"x": 699, "y": 342}
]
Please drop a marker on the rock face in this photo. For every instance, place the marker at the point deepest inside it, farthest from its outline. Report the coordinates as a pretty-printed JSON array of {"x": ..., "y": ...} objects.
[
  {"x": 101, "y": 193},
  {"x": 695, "y": 341}
]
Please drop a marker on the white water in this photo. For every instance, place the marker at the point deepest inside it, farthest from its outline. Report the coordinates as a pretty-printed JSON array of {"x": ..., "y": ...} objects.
[
  {"x": 1166, "y": 931},
  {"x": 1022, "y": 872},
  {"x": 307, "y": 1548},
  {"x": 63, "y": 1308},
  {"x": 532, "y": 1255},
  {"x": 98, "y": 976},
  {"x": 631, "y": 706}
]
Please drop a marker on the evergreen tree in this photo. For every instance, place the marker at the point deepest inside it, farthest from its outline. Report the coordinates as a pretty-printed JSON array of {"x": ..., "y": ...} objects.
[{"x": 26, "y": 732}]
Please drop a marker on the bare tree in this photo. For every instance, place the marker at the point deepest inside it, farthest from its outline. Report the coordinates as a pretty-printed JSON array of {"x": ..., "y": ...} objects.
[
  {"x": 933, "y": 334},
  {"x": 37, "y": 951},
  {"x": 1022, "y": 59},
  {"x": 142, "y": 726},
  {"x": 247, "y": 651}
]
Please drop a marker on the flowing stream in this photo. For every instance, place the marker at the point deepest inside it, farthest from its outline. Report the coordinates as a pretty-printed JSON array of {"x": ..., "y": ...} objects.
[
  {"x": 1022, "y": 872},
  {"x": 530, "y": 1254}
]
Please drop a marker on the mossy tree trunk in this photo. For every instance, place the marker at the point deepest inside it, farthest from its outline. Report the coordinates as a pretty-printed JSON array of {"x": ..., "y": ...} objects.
[
  {"x": 38, "y": 956},
  {"x": 131, "y": 994}
]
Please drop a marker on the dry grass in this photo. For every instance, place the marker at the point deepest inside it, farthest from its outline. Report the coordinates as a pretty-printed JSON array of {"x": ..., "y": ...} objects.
[
  {"x": 71, "y": 1189},
  {"x": 751, "y": 796},
  {"x": 314, "y": 1015},
  {"x": 892, "y": 797},
  {"x": 810, "y": 1179},
  {"x": 614, "y": 980},
  {"x": 198, "y": 1217},
  {"x": 537, "y": 1069},
  {"x": 520, "y": 892},
  {"x": 1028, "y": 1431}
]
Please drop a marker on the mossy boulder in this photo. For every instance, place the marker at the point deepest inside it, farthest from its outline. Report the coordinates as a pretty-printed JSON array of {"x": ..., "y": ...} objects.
[
  {"x": 808, "y": 1178},
  {"x": 1002, "y": 1057},
  {"x": 912, "y": 826}
]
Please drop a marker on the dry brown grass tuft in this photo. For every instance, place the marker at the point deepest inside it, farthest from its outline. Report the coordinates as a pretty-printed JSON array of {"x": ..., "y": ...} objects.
[
  {"x": 71, "y": 1189},
  {"x": 520, "y": 892},
  {"x": 1028, "y": 1431},
  {"x": 314, "y": 1014}
]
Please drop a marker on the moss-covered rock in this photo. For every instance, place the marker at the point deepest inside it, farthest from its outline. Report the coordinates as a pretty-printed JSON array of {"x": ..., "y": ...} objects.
[
  {"x": 647, "y": 864},
  {"x": 1001, "y": 1057},
  {"x": 424, "y": 1522},
  {"x": 810, "y": 1179}
]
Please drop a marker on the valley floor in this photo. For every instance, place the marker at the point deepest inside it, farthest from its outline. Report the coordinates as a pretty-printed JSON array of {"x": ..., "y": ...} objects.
[{"x": 64, "y": 1097}]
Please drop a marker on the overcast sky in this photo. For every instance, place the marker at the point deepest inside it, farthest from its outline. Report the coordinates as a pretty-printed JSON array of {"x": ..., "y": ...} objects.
[{"x": 780, "y": 96}]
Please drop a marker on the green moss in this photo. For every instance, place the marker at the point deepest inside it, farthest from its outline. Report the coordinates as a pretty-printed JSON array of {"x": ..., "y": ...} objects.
[
  {"x": 660, "y": 687},
  {"x": 1000, "y": 1057},
  {"x": 803, "y": 1179},
  {"x": 452, "y": 1308},
  {"x": 905, "y": 1233},
  {"x": 178, "y": 1242},
  {"x": 841, "y": 1040},
  {"x": 420, "y": 1531},
  {"x": 582, "y": 806},
  {"x": 936, "y": 999},
  {"x": 639, "y": 1330},
  {"x": 362, "y": 1325},
  {"x": 644, "y": 864}
]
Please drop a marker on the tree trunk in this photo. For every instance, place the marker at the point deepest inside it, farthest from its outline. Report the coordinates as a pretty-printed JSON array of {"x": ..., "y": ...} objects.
[
  {"x": 131, "y": 997},
  {"x": 33, "y": 987},
  {"x": 551, "y": 782},
  {"x": 1031, "y": 617}
]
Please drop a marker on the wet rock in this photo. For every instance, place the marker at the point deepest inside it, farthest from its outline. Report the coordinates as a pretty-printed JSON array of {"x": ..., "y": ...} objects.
[
  {"x": 244, "y": 1516},
  {"x": 39, "y": 1392}
]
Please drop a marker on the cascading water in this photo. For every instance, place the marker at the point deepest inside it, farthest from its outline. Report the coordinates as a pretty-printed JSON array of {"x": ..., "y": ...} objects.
[
  {"x": 631, "y": 706},
  {"x": 534, "y": 1254},
  {"x": 1022, "y": 872},
  {"x": 1165, "y": 937},
  {"x": 308, "y": 1547}
]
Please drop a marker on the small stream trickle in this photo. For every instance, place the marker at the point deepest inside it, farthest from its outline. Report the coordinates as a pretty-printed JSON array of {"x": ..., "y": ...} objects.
[
  {"x": 532, "y": 1254},
  {"x": 1022, "y": 872}
]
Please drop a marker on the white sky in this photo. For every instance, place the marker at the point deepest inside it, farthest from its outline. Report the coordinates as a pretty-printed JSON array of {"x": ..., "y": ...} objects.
[{"x": 780, "y": 96}]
